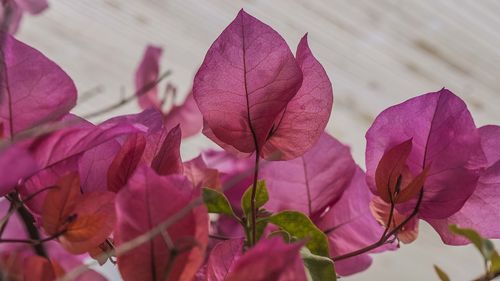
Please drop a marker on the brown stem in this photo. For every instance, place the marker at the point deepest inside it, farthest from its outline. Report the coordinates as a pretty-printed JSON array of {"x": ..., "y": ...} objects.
[
  {"x": 5, "y": 220},
  {"x": 33, "y": 242},
  {"x": 253, "y": 221},
  {"x": 124, "y": 101},
  {"x": 384, "y": 238},
  {"x": 33, "y": 233}
]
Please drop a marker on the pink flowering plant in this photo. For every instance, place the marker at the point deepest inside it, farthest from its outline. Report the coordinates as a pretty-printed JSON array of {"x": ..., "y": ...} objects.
[{"x": 287, "y": 198}]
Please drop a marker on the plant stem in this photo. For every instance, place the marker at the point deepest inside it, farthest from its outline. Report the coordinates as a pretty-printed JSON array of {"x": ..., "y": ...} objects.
[
  {"x": 253, "y": 221},
  {"x": 28, "y": 222},
  {"x": 385, "y": 236}
]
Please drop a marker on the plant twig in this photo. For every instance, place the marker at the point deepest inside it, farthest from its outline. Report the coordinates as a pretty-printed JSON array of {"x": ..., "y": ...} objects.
[
  {"x": 126, "y": 100},
  {"x": 383, "y": 239},
  {"x": 253, "y": 219}
]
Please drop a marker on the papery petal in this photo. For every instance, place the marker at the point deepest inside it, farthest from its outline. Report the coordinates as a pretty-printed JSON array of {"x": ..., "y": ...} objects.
[
  {"x": 444, "y": 137},
  {"x": 236, "y": 174},
  {"x": 306, "y": 115},
  {"x": 350, "y": 226},
  {"x": 187, "y": 115},
  {"x": 155, "y": 131},
  {"x": 312, "y": 182},
  {"x": 33, "y": 6},
  {"x": 43, "y": 180},
  {"x": 33, "y": 89},
  {"x": 490, "y": 141},
  {"x": 270, "y": 259},
  {"x": 94, "y": 164},
  {"x": 77, "y": 138},
  {"x": 146, "y": 74},
  {"x": 125, "y": 162},
  {"x": 146, "y": 201},
  {"x": 248, "y": 76},
  {"x": 168, "y": 158},
  {"x": 222, "y": 259},
  {"x": 15, "y": 164},
  {"x": 481, "y": 212},
  {"x": 16, "y": 14},
  {"x": 69, "y": 262}
]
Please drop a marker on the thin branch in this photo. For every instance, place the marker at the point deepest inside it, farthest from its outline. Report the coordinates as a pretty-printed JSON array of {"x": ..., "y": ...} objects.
[
  {"x": 385, "y": 237},
  {"x": 6, "y": 218},
  {"x": 253, "y": 219},
  {"x": 126, "y": 100},
  {"x": 33, "y": 242},
  {"x": 90, "y": 93},
  {"x": 31, "y": 196}
]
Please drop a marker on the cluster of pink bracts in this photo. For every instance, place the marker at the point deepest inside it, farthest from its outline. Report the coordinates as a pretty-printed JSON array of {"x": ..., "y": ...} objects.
[{"x": 72, "y": 188}]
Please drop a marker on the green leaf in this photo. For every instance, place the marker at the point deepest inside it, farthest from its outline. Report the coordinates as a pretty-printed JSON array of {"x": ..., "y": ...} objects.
[
  {"x": 318, "y": 268},
  {"x": 495, "y": 263},
  {"x": 281, "y": 233},
  {"x": 217, "y": 202},
  {"x": 300, "y": 226},
  {"x": 261, "y": 197},
  {"x": 484, "y": 246},
  {"x": 442, "y": 275}
]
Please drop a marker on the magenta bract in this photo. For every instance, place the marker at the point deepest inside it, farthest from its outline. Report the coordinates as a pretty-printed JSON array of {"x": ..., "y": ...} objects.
[
  {"x": 247, "y": 81},
  {"x": 444, "y": 137},
  {"x": 141, "y": 205},
  {"x": 33, "y": 89}
]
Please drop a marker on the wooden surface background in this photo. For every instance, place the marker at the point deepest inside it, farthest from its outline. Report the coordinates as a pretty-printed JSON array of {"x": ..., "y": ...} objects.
[{"x": 377, "y": 53}]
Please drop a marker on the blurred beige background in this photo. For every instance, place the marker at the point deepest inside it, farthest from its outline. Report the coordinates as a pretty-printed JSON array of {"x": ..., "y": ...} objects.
[{"x": 377, "y": 53}]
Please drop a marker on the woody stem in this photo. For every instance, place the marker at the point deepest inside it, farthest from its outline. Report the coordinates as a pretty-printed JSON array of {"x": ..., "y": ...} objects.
[
  {"x": 253, "y": 220},
  {"x": 387, "y": 234}
]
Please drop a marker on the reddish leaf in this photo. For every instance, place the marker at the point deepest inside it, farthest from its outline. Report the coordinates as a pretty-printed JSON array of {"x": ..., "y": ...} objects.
[
  {"x": 81, "y": 221},
  {"x": 381, "y": 210},
  {"x": 200, "y": 175},
  {"x": 306, "y": 115},
  {"x": 168, "y": 158},
  {"x": 95, "y": 220},
  {"x": 33, "y": 89},
  {"x": 126, "y": 161},
  {"x": 146, "y": 201},
  {"x": 11, "y": 266},
  {"x": 270, "y": 259},
  {"x": 444, "y": 134},
  {"x": 411, "y": 190},
  {"x": 390, "y": 169},
  {"x": 246, "y": 80},
  {"x": 41, "y": 269},
  {"x": 147, "y": 74},
  {"x": 60, "y": 204},
  {"x": 43, "y": 180}
]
